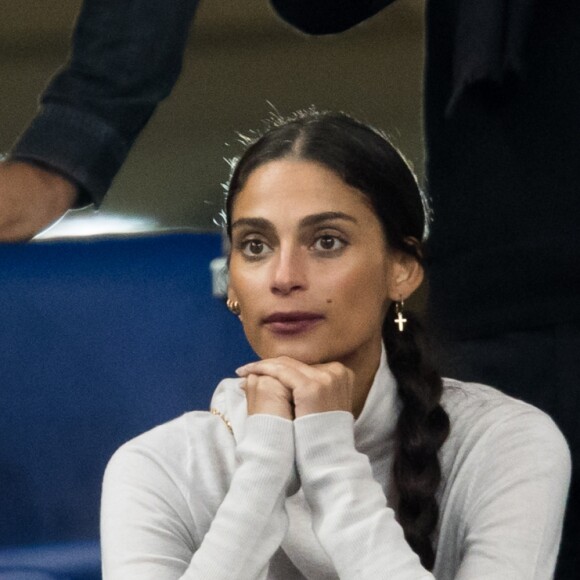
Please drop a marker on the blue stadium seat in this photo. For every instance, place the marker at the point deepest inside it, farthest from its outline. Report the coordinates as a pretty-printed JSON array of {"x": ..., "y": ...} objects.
[{"x": 100, "y": 340}]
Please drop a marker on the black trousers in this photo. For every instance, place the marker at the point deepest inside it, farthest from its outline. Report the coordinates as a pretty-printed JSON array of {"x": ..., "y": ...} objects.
[{"x": 542, "y": 367}]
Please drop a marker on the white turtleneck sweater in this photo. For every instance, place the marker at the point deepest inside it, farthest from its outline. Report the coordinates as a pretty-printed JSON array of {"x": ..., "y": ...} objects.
[{"x": 191, "y": 500}]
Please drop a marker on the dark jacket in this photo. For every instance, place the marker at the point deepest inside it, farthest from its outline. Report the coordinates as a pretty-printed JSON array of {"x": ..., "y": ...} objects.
[{"x": 502, "y": 121}]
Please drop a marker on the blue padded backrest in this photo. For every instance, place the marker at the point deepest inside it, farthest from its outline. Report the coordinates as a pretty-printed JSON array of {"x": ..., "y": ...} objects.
[
  {"x": 9, "y": 574},
  {"x": 99, "y": 341}
]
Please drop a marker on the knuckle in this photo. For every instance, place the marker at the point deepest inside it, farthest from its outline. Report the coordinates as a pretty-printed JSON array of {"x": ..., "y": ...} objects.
[
  {"x": 267, "y": 384},
  {"x": 328, "y": 379},
  {"x": 336, "y": 368},
  {"x": 312, "y": 385},
  {"x": 262, "y": 382}
]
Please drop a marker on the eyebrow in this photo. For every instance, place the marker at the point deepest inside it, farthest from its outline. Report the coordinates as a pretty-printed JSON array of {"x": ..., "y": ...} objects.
[
  {"x": 310, "y": 220},
  {"x": 326, "y": 216}
]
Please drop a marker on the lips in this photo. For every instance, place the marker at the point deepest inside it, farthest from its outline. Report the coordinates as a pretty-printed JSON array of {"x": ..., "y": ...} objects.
[
  {"x": 291, "y": 317},
  {"x": 292, "y": 322}
]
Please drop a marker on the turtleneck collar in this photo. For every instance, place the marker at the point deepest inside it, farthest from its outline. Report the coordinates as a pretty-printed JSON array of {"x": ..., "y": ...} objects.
[{"x": 376, "y": 423}]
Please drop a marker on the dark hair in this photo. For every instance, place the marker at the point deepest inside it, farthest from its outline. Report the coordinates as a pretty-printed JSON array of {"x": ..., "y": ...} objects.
[{"x": 366, "y": 160}]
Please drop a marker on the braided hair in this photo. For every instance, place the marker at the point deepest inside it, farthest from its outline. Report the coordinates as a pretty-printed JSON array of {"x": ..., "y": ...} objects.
[
  {"x": 421, "y": 430},
  {"x": 365, "y": 159}
]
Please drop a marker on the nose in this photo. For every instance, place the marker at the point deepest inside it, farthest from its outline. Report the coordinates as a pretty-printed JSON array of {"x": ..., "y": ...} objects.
[{"x": 289, "y": 271}]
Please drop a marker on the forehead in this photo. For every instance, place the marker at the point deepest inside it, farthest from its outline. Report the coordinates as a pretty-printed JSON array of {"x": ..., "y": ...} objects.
[{"x": 287, "y": 190}]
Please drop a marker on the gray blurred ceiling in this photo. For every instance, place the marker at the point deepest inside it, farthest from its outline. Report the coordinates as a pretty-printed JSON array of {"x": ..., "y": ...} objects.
[{"x": 240, "y": 61}]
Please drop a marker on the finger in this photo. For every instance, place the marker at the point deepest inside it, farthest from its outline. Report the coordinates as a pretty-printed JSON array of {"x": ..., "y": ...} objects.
[
  {"x": 337, "y": 369},
  {"x": 265, "y": 367},
  {"x": 313, "y": 388},
  {"x": 334, "y": 392},
  {"x": 253, "y": 366},
  {"x": 266, "y": 395},
  {"x": 289, "y": 372},
  {"x": 297, "y": 375},
  {"x": 270, "y": 366}
]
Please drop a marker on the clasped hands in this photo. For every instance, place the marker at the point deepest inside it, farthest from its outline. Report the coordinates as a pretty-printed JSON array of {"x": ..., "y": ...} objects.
[{"x": 288, "y": 388}]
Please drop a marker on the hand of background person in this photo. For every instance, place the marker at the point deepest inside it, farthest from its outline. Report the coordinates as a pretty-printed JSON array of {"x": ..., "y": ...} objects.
[
  {"x": 31, "y": 198},
  {"x": 309, "y": 388}
]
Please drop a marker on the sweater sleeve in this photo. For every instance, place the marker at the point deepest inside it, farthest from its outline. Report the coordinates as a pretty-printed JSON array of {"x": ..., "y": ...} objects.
[
  {"x": 148, "y": 531},
  {"x": 126, "y": 56},
  {"x": 351, "y": 517},
  {"x": 327, "y": 16},
  {"x": 516, "y": 482},
  {"x": 514, "y": 486}
]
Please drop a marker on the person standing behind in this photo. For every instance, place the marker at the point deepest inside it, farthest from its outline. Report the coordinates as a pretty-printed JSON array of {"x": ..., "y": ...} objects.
[{"x": 126, "y": 56}]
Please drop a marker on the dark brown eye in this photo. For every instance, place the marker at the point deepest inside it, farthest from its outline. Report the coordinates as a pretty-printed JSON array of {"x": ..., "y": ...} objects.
[
  {"x": 329, "y": 243},
  {"x": 255, "y": 247}
]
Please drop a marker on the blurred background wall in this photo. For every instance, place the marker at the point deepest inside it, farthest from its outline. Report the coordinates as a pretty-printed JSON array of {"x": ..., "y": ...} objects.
[{"x": 241, "y": 61}]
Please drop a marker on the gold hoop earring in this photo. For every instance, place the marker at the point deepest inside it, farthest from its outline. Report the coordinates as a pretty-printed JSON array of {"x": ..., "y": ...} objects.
[
  {"x": 233, "y": 306},
  {"x": 400, "y": 321}
]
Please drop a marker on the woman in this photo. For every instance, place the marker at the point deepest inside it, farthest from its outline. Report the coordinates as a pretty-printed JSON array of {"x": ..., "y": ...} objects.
[{"x": 341, "y": 453}]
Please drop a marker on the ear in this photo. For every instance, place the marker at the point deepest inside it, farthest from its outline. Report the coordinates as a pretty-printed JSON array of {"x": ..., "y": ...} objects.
[{"x": 405, "y": 275}]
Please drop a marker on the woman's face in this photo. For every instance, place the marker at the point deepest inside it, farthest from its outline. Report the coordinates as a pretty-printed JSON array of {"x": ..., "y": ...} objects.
[{"x": 309, "y": 265}]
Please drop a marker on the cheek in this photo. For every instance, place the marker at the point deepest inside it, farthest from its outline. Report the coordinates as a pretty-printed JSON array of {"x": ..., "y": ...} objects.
[
  {"x": 362, "y": 285},
  {"x": 249, "y": 291},
  {"x": 243, "y": 282},
  {"x": 361, "y": 297}
]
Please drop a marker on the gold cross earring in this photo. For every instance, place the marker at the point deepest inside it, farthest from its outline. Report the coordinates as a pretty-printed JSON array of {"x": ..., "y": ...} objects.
[{"x": 400, "y": 320}]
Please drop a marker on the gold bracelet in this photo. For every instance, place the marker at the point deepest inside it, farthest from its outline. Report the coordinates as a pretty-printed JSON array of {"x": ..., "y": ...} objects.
[{"x": 227, "y": 423}]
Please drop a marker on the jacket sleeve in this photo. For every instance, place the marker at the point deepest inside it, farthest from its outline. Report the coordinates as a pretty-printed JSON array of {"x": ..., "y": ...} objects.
[
  {"x": 149, "y": 530},
  {"x": 126, "y": 56},
  {"x": 327, "y": 16}
]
